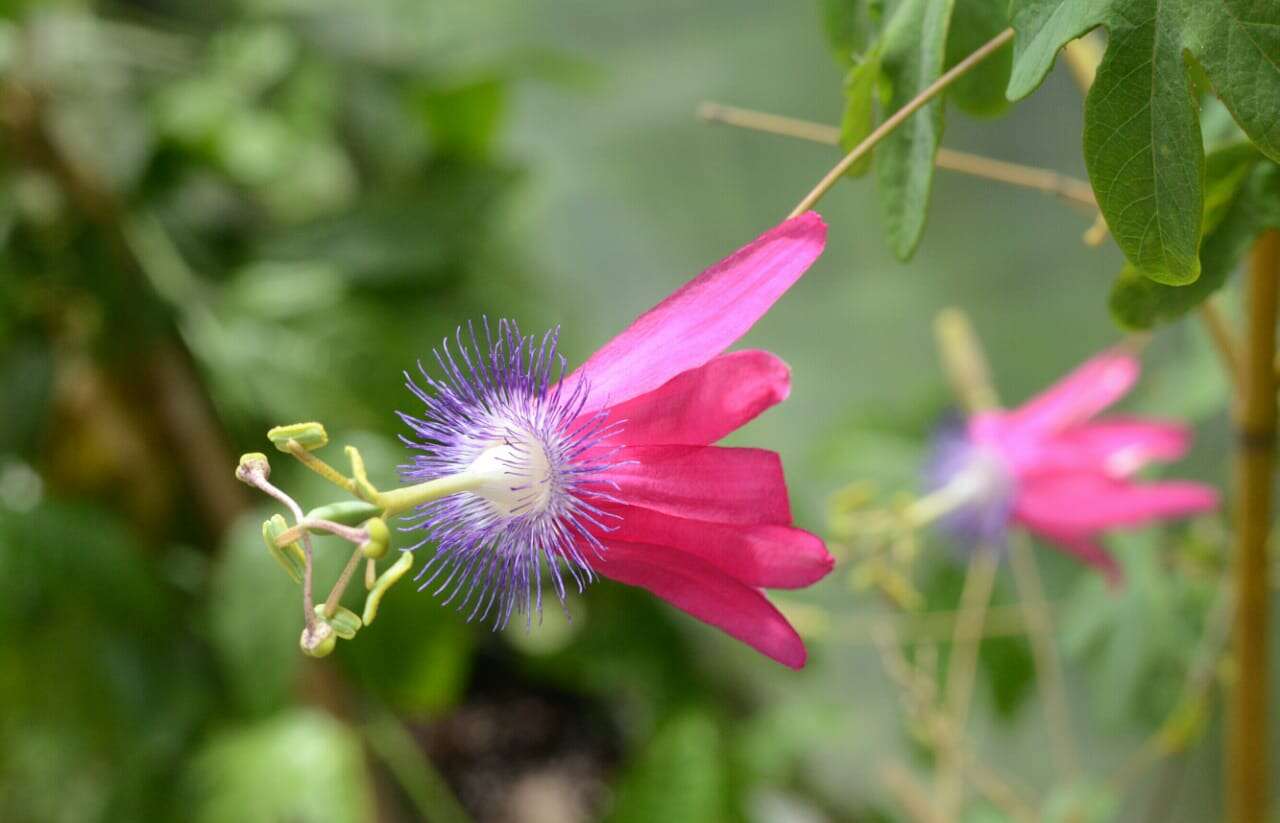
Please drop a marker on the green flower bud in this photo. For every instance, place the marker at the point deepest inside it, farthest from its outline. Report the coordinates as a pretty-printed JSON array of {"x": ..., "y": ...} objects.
[
  {"x": 319, "y": 641},
  {"x": 310, "y": 436},
  {"x": 379, "y": 539}
]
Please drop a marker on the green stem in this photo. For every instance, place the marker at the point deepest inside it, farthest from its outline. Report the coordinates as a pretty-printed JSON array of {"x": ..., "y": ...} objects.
[
  {"x": 1049, "y": 678},
  {"x": 966, "y": 641},
  {"x": 400, "y": 500}
]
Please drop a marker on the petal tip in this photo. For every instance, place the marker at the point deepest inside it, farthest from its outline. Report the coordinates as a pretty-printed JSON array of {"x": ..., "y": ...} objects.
[
  {"x": 793, "y": 658},
  {"x": 810, "y": 223}
]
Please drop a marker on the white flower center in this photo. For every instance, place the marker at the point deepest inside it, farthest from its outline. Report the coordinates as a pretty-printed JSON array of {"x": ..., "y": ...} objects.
[
  {"x": 983, "y": 479},
  {"x": 981, "y": 482},
  {"x": 514, "y": 476}
]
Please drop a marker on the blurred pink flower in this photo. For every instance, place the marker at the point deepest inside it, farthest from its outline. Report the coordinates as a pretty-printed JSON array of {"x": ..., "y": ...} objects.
[{"x": 1051, "y": 468}]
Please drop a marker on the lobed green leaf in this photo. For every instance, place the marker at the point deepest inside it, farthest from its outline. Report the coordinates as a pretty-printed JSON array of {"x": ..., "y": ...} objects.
[{"x": 1142, "y": 141}]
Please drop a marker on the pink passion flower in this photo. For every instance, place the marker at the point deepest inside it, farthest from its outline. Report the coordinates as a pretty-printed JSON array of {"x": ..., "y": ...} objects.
[
  {"x": 611, "y": 470},
  {"x": 1050, "y": 467}
]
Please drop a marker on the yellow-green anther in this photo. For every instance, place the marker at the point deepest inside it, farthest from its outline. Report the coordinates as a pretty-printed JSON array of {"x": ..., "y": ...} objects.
[
  {"x": 375, "y": 548},
  {"x": 345, "y": 623},
  {"x": 346, "y": 512},
  {"x": 310, "y": 436},
  {"x": 384, "y": 582},
  {"x": 251, "y": 462},
  {"x": 291, "y": 557},
  {"x": 319, "y": 640}
]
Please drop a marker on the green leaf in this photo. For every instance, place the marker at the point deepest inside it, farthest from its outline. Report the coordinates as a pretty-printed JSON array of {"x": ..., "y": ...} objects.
[
  {"x": 850, "y": 26},
  {"x": 679, "y": 776},
  {"x": 1242, "y": 200},
  {"x": 859, "y": 107},
  {"x": 464, "y": 120},
  {"x": 913, "y": 54},
  {"x": 973, "y": 23},
  {"x": 1142, "y": 142},
  {"x": 300, "y": 766},
  {"x": 26, "y": 390}
]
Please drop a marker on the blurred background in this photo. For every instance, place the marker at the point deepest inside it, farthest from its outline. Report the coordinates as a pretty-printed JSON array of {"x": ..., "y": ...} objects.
[{"x": 220, "y": 216}]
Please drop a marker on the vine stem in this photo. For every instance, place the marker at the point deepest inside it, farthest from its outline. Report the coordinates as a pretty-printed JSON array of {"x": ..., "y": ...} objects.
[
  {"x": 979, "y": 582},
  {"x": 1052, "y": 681},
  {"x": 1254, "y": 463},
  {"x": 898, "y": 117},
  {"x": 1042, "y": 180}
]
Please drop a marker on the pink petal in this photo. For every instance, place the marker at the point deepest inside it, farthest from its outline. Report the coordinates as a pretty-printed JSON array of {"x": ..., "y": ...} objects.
[
  {"x": 703, "y": 317},
  {"x": 702, "y": 405},
  {"x": 695, "y": 587},
  {"x": 766, "y": 556},
  {"x": 1089, "y": 389},
  {"x": 743, "y": 486},
  {"x": 1116, "y": 447},
  {"x": 1069, "y": 506}
]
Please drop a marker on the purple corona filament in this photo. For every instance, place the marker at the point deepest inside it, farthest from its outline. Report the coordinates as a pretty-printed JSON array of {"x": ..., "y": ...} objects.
[
  {"x": 497, "y": 414},
  {"x": 974, "y": 485}
]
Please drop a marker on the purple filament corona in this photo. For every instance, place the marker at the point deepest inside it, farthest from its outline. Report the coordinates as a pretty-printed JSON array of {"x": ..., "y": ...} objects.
[
  {"x": 983, "y": 490},
  {"x": 497, "y": 413}
]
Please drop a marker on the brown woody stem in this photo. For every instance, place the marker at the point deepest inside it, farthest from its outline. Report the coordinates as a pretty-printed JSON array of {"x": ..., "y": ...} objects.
[{"x": 1254, "y": 464}]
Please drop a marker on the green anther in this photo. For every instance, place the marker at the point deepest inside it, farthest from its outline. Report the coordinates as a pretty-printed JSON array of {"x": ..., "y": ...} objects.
[
  {"x": 346, "y": 512},
  {"x": 345, "y": 623},
  {"x": 310, "y": 436},
  {"x": 385, "y": 581},
  {"x": 290, "y": 557},
  {"x": 375, "y": 548}
]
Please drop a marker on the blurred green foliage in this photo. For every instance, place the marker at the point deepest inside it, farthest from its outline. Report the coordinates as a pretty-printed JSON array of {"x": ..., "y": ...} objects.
[{"x": 217, "y": 217}]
